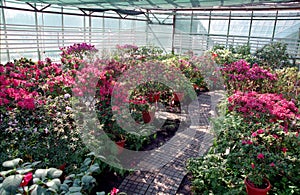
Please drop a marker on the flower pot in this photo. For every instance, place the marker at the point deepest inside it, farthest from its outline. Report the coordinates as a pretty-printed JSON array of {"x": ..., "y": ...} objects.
[
  {"x": 120, "y": 145},
  {"x": 252, "y": 190},
  {"x": 148, "y": 116},
  {"x": 178, "y": 96}
]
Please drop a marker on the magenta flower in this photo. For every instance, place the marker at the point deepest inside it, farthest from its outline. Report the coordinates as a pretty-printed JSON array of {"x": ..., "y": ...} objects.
[
  {"x": 260, "y": 156},
  {"x": 260, "y": 131},
  {"x": 284, "y": 150},
  {"x": 114, "y": 191},
  {"x": 254, "y": 134},
  {"x": 26, "y": 179},
  {"x": 272, "y": 164}
]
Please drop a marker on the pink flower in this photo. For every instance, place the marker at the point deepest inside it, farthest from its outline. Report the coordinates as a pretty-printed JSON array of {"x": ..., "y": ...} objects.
[
  {"x": 26, "y": 179},
  {"x": 252, "y": 165},
  {"x": 260, "y": 156},
  {"x": 272, "y": 164},
  {"x": 254, "y": 134},
  {"x": 260, "y": 131},
  {"x": 114, "y": 191},
  {"x": 284, "y": 150}
]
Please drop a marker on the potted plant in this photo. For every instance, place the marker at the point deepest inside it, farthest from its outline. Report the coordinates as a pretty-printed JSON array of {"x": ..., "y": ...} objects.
[{"x": 266, "y": 143}]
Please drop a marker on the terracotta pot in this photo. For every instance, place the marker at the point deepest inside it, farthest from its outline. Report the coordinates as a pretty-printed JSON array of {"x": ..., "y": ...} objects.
[
  {"x": 252, "y": 190},
  {"x": 120, "y": 145},
  {"x": 148, "y": 116}
]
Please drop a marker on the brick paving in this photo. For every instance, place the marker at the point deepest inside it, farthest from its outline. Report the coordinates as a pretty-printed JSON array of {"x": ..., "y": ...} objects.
[{"x": 167, "y": 178}]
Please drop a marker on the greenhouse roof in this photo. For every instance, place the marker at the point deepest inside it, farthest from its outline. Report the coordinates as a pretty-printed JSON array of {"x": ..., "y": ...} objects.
[{"x": 166, "y": 4}]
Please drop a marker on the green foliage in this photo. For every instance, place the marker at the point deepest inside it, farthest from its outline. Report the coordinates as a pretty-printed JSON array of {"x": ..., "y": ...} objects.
[
  {"x": 47, "y": 134},
  {"x": 273, "y": 55},
  {"x": 25, "y": 178},
  {"x": 288, "y": 83},
  {"x": 211, "y": 175},
  {"x": 222, "y": 55}
]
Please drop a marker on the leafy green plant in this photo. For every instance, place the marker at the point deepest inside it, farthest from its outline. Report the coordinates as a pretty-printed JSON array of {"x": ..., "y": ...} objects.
[
  {"x": 273, "y": 55},
  {"x": 25, "y": 178}
]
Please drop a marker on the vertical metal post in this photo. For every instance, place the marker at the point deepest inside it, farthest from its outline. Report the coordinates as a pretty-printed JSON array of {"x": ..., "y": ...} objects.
[
  {"x": 37, "y": 33},
  {"x": 90, "y": 29},
  {"x": 84, "y": 29},
  {"x": 5, "y": 32},
  {"x": 250, "y": 28},
  {"x": 147, "y": 38},
  {"x": 275, "y": 24},
  {"x": 173, "y": 32},
  {"x": 62, "y": 27},
  {"x": 228, "y": 29},
  {"x": 191, "y": 30},
  {"x": 208, "y": 30}
]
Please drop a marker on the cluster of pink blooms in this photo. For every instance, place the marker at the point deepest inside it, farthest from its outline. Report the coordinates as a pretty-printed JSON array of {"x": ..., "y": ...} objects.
[
  {"x": 127, "y": 46},
  {"x": 19, "y": 83},
  {"x": 241, "y": 76},
  {"x": 78, "y": 49},
  {"x": 255, "y": 105}
]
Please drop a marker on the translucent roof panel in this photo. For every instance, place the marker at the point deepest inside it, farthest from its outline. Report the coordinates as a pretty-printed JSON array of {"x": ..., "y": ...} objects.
[{"x": 157, "y": 4}]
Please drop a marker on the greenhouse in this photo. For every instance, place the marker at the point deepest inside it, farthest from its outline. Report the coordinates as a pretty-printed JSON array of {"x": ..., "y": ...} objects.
[{"x": 149, "y": 97}]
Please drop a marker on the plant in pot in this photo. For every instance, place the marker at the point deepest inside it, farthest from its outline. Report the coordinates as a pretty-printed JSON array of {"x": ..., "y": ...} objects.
[{"x": 266, "y": 147}]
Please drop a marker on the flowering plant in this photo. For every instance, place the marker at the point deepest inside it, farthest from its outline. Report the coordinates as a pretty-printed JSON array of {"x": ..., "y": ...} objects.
[
  {"x": 267, "y": 145},
  {"x": 241, "y": 76}
]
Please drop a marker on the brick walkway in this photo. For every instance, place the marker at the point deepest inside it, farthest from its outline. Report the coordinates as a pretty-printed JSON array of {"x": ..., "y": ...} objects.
[{"x": 167, "y": 178}]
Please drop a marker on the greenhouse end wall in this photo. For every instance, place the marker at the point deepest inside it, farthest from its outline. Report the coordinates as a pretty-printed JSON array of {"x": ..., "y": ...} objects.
[{"x": 34, "y": 34}]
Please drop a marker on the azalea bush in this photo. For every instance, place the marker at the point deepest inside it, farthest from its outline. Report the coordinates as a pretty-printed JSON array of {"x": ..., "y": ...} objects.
[
  {"x": 257, "y": 135},
  {"x": 240, "y": 76}
]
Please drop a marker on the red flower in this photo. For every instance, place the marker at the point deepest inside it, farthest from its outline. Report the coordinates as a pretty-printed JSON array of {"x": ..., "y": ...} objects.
[
  {"x": 260, "y": 131},
  {"x": 26, "y": 179},
  {"x": 114, "y": 191},
  {"x": 260, "y": 156},
  {"x": 252, "y": 165},
  {"x": 284, "y": 150},
  {"x": 254, "y": 134},
  {"x": 272, "y": 164}
]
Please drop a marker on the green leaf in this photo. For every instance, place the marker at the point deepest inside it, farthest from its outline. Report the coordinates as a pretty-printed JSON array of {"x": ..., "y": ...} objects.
[
  {"x": 75, "y": 189},
  {"x": 94, "y": 168},
  {"x": 36, "y": 163},
  {"x": 4, "y": 173},
  {"x": 12, "y": 163},
  {"x": 41, "y": 173},
  {"x": 53, "y": 185},
  {"x": 24, "y": 171},
  {"x": 87, "y": 161},
  {"x": 11, "y": 183},
  {"x": 100, "y": 193},
  {"x": 54, "y": 173},
  {"x": 76, "y": 193},
  {"x": 87, "y": 179},
  {"x": 39, "y": 191},
  {"x": 64, "y": 187}
]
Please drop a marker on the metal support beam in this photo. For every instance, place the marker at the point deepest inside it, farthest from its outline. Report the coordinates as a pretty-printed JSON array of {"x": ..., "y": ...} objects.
[
  {"x": 173, "y": 32},
  {"x": 275, "y": 23},
  {"x": 37, "y": 34},
  {"x": 228, "y": 29},
  {"x": 5, "y": 31},
  {"x": 250, "y": 28},
  {"x": 36, "y": 9},
  {"x": 208, "y": 30}
]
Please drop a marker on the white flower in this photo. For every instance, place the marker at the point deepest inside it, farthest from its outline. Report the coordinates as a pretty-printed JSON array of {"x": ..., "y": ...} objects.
[{"x": 67, "y": 96}]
